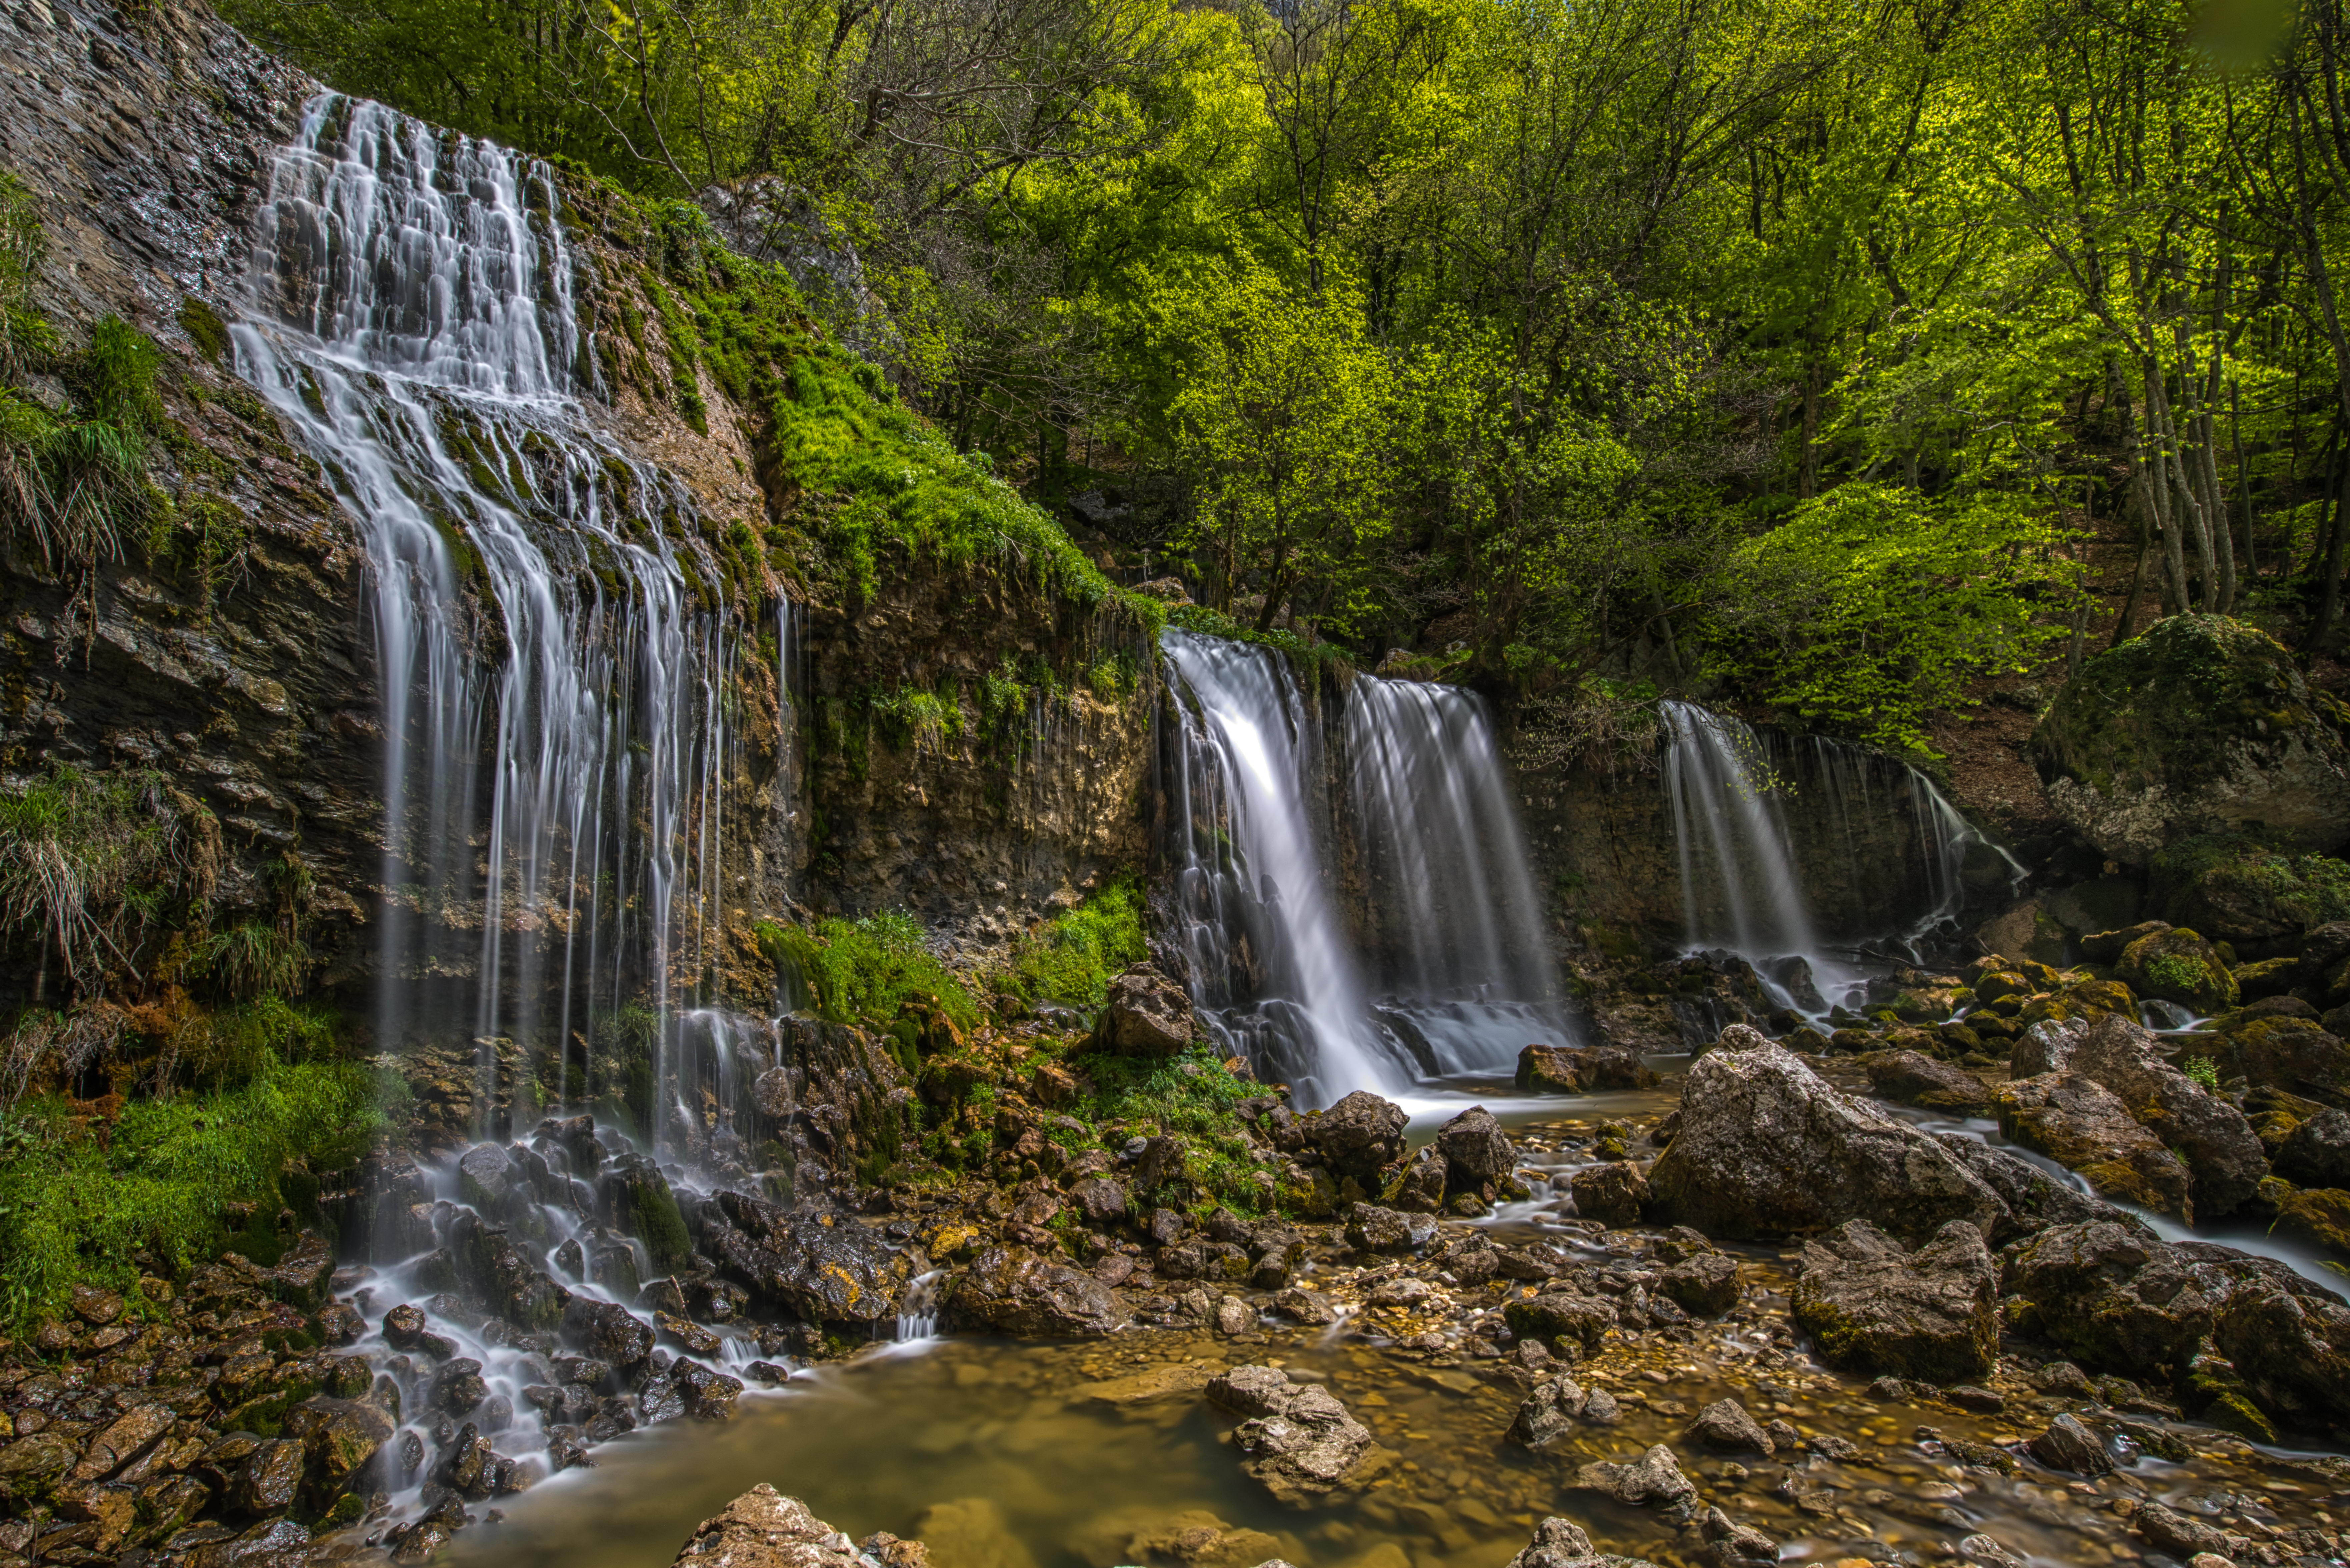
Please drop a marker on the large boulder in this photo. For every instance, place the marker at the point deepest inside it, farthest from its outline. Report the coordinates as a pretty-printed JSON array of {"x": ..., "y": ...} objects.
[
  {"x": 2237, "y": 888},
  {"x": 1475, "y": 1147},
  {"x": 1011, "y": 1291},
  {"x": 2178, "y": 965},
  {"x": 765, "y": 1529},
  {"x": 2221, "y": 1151},
  {"x": 2113, "y": 1296},
  {"x": 1146, "y": 1014},
  {"x": 1358, "y": 1134},
  {"x": 1562, "y": 1543},
  {"x": 2202, "y": 725},
  {"x": 2082, "y": 1125},
  {"x": 2316, "y": 1153},
  {"x": 608, "y": 1331},
  {"x": 2289, "y": 1344},
  {"x": 2280, "y": 1050},
  {"x": 1872, "y": 1307},
  {"x": 1766, "y": 1147}
]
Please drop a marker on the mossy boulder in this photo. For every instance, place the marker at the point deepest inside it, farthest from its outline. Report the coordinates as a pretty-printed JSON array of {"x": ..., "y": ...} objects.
[
  {"x": 2236, "y": 888},
  {"x": 2202, "y": 725},
  {"x": 2178, "y": 965},
  {"x": 2320, "y": 1216}
]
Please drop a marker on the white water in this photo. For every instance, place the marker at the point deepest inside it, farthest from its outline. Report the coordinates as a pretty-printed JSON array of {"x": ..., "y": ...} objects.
[
  {"x": 554, "y": 696},
  {"x": 1741, "y": 889},
  {"x": 1271, "y": 963}
]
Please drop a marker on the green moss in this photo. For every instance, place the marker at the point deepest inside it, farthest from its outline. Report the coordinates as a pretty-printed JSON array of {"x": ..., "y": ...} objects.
[
  {"x": 205, "y": 328},
  {"x": 2242, "y": 885},
  {"x": 864, "y": 970},
  {"x": 1071, "y": 957}
]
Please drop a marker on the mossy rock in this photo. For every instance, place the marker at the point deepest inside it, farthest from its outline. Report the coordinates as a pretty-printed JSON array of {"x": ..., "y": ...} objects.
[
  {"x": 2202, "y": 725},
  {"x": 2236, "y": 888},
  {"x": 2178, "y": 965},
  {"x": 2270, "y": 977},
  {"x": 2320, "y": 1216}
]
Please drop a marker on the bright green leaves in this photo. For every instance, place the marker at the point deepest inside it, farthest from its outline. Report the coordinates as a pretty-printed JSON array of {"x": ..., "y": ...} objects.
[{"x": 1874, "y": 606}]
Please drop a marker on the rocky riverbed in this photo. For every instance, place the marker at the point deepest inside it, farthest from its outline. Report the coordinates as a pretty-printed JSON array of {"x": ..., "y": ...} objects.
[{"x": 1757, "y": 1312}]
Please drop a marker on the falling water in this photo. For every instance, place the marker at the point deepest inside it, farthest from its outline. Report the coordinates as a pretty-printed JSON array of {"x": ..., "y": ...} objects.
[
  {"x": 1741, "y": 889},
  {"x": 1255, "y": 901},
  {"x": 536, "y": 640},
  {"x": 1268, "y": 957}
]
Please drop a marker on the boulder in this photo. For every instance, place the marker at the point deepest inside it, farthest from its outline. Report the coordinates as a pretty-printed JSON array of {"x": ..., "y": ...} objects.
[
  {"x": 608, "y": 1331},
  {"x": 1766, "y": 1146},
  {"x": 2316, "y": 1153},
  {"x": 1560, "y": 1544},
  {"x": 2204, "y": 724},
  {"x": 1549, "y": 1412},
  {"x": 340, "y": 1438},
  {"x": 765, "y": 1529},
  {"x": 2082, "y": 1125},
  {"x": 1372, "y": 1229},
  {"x": 1301, "y": 1442},
  {"x": 1146, "y": 1014},
  {"x": 2178, "y": 966},
  {"x": 2237, "y": 889},
  {"x": 1475, "y": 1148},
  {"x": 840, "y": 1273},
  {"x": 1581, "y": 1069},
  {"x": 1652, "y": 1479},
  {"x": 1011, "y": 1291},
  {"x": 2071, "y": 1447},
  {"x": 1613, "y": 1193},
  {"x": 1563, "y": 1314},
  {"x": 2179, "y": 1535},
  {"x": 2283, "y": 1051},
  {"x": 2113, "y": 1296},
  {"x": 1916, "y": 1079},
  {"x": 635, "y": 1198},
  {"x": 1358, "y": 1136},
  {"x": 1726, "y": 1427},
  {"x": 1874, "y": 1307},
  {"x": 2221, "y": 1151},
  {"x": 1706, "y": 1284},
  {"x": 2289, "y": 1342}
]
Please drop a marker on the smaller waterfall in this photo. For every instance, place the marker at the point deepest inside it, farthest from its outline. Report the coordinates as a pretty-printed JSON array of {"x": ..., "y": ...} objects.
[{"x": 1741, "y": 884}]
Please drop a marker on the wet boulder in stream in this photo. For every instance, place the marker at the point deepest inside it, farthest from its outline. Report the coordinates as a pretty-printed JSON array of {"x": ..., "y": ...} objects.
[
  {"x": 1766, "y": 1146},
  {"x": 1302, "y": 1443},
  {"x": 1358, "y": 1136},
  {"x": 826, "y": 1268},
  {"x": 608, "y": 1331},
  {"x": 1562, "y": 1543},
  {"x": 1012, "y": 1290},
  {"x": 1475, "y": 1148},
  {"x": 1916, "y": 1079},
  {"x": 1871, "y": 1305},
  {"x": 2082, "y": 1125},
  {"x": 765, "y": 1529},
  {"x": 2222, "y": 1154},
  {"x": 1581, "y": 1069}
]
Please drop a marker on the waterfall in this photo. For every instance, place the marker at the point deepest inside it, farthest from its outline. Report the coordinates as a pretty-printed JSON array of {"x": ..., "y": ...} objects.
[
  {"x": 1251, "y": 888},
  {"x": 558, "y": 737},
  {"x": 1742, "y": 887},
  {"x": 1466, "y": 982}
]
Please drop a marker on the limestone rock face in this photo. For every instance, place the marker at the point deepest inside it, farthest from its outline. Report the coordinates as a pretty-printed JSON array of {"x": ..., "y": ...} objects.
[
  {"x": 765, "y": 1529},
  {"x": 1766, "y": 1146},
  {"x": 2202, "y": 725},
  {"x": 1875, "y": 1308}
]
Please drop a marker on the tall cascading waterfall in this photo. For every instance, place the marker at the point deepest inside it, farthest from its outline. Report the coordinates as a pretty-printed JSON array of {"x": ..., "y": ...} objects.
[
  {"x": 1470, "y": 978},
  {"x": 560, "y": 728},
  {"x": 1742, "y": 889},
  {"x": 1270, "y": 962}
]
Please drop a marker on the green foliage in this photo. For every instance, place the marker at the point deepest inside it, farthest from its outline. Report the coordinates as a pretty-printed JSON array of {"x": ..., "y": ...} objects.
[
  {"x": 24, "y": 336},
  {"x": 2221, "y": 877},
  {"x": 76, "y": 1207},
  {"x": 86, "y": 863},
  {"x": 1189, "y": 1097},
  {"x": 862, "y": 970},
  {"x": 228, "y": 1045},
  {"x": 1071, "y": 957},
  {"x": 2203, "y": 1071},
  {"x": 1873, "y": 607},
  {"x": 207, "y": 540},
  {"x": 254, "y": 958},
  {"x": 926, "y": 720}
]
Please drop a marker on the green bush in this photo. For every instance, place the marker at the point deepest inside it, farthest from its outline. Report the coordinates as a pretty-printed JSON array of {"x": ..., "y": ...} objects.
[
  {"x": 2204, "y": 1071},
  {"x": 1071, "y": 957},
  {"x": 86, "y": 861},
  {"x": 1189, "y": 1098},
  {"x": 79, "y": 1206},
  {"x": 862, "y": 970}
]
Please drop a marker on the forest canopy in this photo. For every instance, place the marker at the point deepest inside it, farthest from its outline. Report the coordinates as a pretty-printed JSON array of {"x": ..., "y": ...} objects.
[{"x": 1798, "y": 353}]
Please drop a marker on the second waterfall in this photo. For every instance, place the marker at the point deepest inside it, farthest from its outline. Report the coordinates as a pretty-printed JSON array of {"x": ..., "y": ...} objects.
[{"x": 1430, "y": 963}]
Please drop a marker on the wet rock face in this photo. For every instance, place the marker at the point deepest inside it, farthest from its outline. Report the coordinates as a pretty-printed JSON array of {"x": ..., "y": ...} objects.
[
  {"x": 2202, "y": 725},
  {"x": 1765, "y": 1148},
  {"x": 1873, "y": 1306},
  {"x": 765, "y": 1529}
]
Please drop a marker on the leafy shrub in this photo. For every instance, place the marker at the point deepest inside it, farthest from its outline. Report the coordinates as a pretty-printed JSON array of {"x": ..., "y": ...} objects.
[
  {"x": 1189, "y": 1097},
  {"x": 2202, "y": 1070},
  {"x": 1071, "y": 957},
  {"x": 79, "y": 1206},
  {"x": 862, "y": 970}
]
